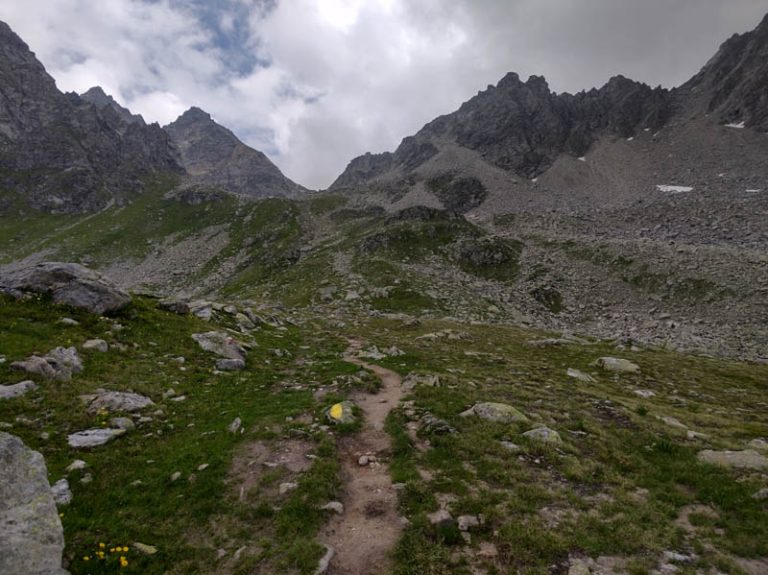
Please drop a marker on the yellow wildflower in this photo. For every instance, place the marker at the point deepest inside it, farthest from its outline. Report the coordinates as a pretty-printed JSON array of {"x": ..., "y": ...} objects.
[
  {"x": 102, "y": 546},
  {"x": 86, "y": 558},
  {"x": 123, "y": 562}
]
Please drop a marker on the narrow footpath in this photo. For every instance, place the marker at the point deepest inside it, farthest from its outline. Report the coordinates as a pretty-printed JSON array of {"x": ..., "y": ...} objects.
[{"x": 363, "y": 537}]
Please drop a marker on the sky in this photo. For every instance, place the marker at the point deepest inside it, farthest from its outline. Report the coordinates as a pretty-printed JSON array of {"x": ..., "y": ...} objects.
[{"x": 314, "y": 83}]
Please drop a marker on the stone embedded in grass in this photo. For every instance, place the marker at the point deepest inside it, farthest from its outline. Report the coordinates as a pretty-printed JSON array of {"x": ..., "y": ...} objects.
[
  {"x": 175, "y": 476},
  {"x": 617, "y": 365},
  {"x": 122, "y": 423},
  {"x": 17, "y": 389},
  {"x": 76, "y": 465},
  {"x": 342, "y": 412},
  {"x": 220, "y": 343},
  {"x": 174, "y": 305},
  {"x": 747, "y": 459},
  {"x": 113, "y": 401},
  {"x": 69, "y": 322},
  {"x": 287, "y": 487},
  {"x": 644, "y": 393},
  {"x": 230, "y": 364},
  {"x": 325, "y": 561},
  {"x": 544, "y": 435},
  {"x": 509, "y": 446},
  {"x": 96, "y": 345},
  {"x": 467, "y": 522},
  {"x": 672, "y": 422},
  {"x": 144, "y": 548},
  {"x": 60, "y": 364},
  {"x": 62, "y": 495},
  {"x": 758, "y": 443},
  {"x": 441, "y": 517},
  {"x": 413, "y": 379},
  {"x": 32, "y": 540},
  {"x": 234, "y": 427},
  {"x": 579, "y": 375},
  {"x": 93, "y": 437},
  {"x": 498, "y": 412}
]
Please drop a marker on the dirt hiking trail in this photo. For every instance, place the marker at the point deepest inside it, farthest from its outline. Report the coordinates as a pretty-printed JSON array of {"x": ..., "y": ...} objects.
[{"x": 363, "y": 537}]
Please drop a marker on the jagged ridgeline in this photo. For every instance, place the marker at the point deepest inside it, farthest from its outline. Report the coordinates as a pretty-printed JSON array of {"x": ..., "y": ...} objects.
[{"x": 624, "y": 211}]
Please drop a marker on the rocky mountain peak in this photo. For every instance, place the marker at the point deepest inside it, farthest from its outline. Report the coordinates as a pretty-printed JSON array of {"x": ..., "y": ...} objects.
[
  {"x": 102, "y": 100},
  {"x": 214, "y": 157}
]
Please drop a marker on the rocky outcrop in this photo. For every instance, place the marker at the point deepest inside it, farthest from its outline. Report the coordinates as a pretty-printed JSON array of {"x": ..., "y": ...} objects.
[
  {"x": 68, "y": 284},
  {"x": 221, "y": 344},
  {"x": 59, "y": 364},
  {"x": 32, "y": 540},
  {"x": 215, "y": 158},
  {"x": 61, "y": 152}
]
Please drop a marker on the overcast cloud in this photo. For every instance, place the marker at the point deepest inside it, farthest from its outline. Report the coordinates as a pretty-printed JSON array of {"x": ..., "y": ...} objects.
[{"x": 314, "y": 83}]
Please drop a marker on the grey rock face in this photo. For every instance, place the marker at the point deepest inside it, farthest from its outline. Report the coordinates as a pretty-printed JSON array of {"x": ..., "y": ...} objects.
[
  {"x": 69, "y": 284},
  {"x": 32, "y": 539},
  {"x": 215, "y": 158},
  {"x": 221, "y": 344},
  {"x": 63, "y": 153}
]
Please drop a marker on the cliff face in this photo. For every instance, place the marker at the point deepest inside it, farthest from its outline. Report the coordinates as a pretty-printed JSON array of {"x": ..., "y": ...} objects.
[
  {"x": 214, "y": 157},
  {"x": 62, "y": 152}
]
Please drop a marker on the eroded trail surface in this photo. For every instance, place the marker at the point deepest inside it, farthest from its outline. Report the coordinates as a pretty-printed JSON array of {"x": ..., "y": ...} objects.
[{"x": 364, "y": 535}]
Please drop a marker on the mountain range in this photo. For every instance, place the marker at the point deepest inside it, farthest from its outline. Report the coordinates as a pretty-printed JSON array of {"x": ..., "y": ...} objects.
[{"x": 625, "y": 211}]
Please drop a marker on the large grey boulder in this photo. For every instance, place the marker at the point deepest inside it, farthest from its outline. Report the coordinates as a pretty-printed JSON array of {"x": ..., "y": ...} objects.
[
  {"x": 59, "y": 364},
  {"x": 31, "y": 536},
  {"x": 498, "y": 412},
  {"x": 747, "y": 459},
  {"x": 69, "y": 284},
  {"x": 114, "y": 401},
  {"x": 221, "y": 344}
]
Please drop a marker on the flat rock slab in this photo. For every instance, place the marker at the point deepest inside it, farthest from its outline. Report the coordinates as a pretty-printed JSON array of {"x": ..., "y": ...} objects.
[
  {"x": 747, "y": 459},
  {"x": 114, "y": 401},
  {"x": 69, "y": 284},
  {"x": 498, "y": 412},
  {"x": 32, "y": 539},
  {"x": 17, "y": 389},
  {"x": 617, "y": 365},
  {"x": 96, "y": 345},
  {"x": 93, "y": 437},
  {"x": 220, "y": 343}
]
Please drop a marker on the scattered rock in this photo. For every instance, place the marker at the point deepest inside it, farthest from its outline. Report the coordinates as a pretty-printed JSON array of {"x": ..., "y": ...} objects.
[
  {"x": 498, "y": 412},
  {"x": 69, "y": 322},
  {"x": 672, "y": 422},
  {"x": 644, "y": 393},
  {"x": 467, "y": 522},
  {"x": 580, "y": 375},
  {"x": 543, "y": 434},
  {"x": 325, "y": 561},
  {"x": 93, "y": 437},
  {"x": 234, "y": 427},
  {"x": 509, "y": 446},
  {"x": 434, "y": 425},
  {"x": 62, "y": 495},
  {"x": 175, "y": 476},
  {"x": 144, "y": 548},
  {"x": 747, "y": 459},
  {"x": 759, "y": 443},
  {"x": 342, "y": 412},
  {"x": 372, "y": 353},
  {"x": 412, "y": 380},
  {"x": 335, "y": 506},
  {"x": 122, "y": 423},
  {"x": 230, "y": 364},
  {"x": 761, "y": 495},
  {"x": 221, "y": 344},
  {"x": 59, "y": 364},
  {"x": 70, "y": 284},
  {"x": 114, "y": 401},
  {"x": 17, "y": 389},
  {"x": 96, "y": 345},
  {"x": 287, "y": 486},
  {"x": 32, "y": 540},
  {"x": 617, "y": 365},
  {"x": 578, "y": 567},
  {"x": 440, "y": 517},
  {"x": 692, "y": 435},
  {"x": 174, "y": 305},
  {"x": 76, "y": 465}
]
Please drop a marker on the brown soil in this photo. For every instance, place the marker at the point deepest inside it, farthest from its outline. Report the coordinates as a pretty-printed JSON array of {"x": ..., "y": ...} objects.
[{"x": 364, "y": 535}]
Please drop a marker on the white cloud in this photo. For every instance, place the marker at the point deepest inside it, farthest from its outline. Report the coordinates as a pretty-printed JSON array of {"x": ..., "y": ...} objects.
[{"x": 349, "y": 76}]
